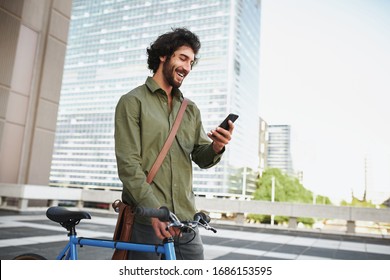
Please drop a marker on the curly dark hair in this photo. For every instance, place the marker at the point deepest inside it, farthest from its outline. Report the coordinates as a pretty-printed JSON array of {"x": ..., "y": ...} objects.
[{"x": 166, "y": 44}]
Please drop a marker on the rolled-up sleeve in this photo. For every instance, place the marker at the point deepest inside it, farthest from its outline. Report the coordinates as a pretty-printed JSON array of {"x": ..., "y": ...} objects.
[{"x": 203, "y": 154}]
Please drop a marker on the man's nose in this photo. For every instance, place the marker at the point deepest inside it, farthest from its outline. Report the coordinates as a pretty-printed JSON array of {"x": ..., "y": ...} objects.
[{"x": 187, "y": 66}]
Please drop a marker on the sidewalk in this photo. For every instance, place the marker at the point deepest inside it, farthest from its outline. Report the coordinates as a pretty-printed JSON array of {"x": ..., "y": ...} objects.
[{"x": 34, "y": 233}]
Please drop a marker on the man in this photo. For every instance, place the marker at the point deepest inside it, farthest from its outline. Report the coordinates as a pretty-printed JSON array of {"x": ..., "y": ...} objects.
[{"x": 143, "y": 119}]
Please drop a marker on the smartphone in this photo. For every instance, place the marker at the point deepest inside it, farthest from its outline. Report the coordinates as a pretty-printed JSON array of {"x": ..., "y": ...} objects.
[{"x": 225, "y": 124}]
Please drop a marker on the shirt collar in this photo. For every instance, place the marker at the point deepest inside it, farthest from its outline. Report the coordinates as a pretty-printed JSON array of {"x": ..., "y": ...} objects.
[{"x": 154, "y": 87}]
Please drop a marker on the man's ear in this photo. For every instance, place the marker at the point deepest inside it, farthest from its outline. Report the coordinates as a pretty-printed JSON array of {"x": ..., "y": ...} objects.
[{"x": 163, "y": 58}]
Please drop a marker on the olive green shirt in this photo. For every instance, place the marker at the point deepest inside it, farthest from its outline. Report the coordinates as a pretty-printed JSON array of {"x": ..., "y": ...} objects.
[{"x": 142, "y": 124}]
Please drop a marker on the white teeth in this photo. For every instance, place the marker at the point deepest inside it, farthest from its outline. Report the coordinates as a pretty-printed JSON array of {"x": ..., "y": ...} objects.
[{"x": 181, "y": 75}]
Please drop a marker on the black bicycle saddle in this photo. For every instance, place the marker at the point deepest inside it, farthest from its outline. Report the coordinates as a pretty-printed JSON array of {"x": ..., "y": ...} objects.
[{"x": 66, "y": 217}]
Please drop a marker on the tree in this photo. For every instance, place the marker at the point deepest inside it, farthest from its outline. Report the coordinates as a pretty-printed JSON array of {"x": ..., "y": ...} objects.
[
  {"x": 361, "y": 203},
  {"x": 287, "y": 189}
]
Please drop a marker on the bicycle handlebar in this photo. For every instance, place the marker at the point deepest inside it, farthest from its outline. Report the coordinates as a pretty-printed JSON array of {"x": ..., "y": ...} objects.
[
  {"x": 201, "y": 217},
  {"x": 163, "y": 213}
]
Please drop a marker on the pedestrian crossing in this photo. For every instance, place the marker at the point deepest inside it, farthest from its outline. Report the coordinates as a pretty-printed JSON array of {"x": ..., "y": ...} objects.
[{"x": 252, "y": 245}]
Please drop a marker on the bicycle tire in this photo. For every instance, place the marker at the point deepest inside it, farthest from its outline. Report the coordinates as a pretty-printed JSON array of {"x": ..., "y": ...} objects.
[{"x": 29, "y": 256}]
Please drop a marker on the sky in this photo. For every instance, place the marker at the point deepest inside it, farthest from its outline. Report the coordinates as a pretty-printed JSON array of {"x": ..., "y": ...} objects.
[{"x": 325, "y": 70}]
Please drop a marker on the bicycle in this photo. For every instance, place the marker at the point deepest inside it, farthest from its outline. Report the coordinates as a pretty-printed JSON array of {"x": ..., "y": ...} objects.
[{"x": 69, "y": 219}]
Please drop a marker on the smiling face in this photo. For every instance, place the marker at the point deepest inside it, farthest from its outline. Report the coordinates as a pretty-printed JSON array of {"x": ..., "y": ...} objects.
[{"x": 178, "y": 66}]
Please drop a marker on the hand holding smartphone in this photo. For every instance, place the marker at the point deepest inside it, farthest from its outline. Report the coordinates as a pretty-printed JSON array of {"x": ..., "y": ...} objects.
[
  {"x": 220, "y": 140},
  {"x": 225, "y": 123}
]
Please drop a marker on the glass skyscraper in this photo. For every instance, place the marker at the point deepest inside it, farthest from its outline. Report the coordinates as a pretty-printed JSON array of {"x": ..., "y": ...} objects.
[
  {"x": 279, "y": 151},
  {"x": 106, "y": 58}
]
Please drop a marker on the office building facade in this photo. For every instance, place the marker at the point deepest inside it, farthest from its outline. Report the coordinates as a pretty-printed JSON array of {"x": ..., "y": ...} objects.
[
  {"x": 279, "y": 148},
  {"x": 33, "y": 39},
  {"x": 106, "y": 57}
]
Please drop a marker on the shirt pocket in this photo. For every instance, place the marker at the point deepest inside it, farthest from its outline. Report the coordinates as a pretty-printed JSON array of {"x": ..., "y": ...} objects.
[{"x": 186, "y": 134}]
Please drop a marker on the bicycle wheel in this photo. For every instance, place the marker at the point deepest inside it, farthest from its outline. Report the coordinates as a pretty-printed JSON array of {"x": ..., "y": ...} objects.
[{"x": 29, "y": 256}]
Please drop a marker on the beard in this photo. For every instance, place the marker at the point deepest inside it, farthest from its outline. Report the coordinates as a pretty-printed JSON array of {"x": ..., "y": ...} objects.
[{"x": 169, "y": 74}]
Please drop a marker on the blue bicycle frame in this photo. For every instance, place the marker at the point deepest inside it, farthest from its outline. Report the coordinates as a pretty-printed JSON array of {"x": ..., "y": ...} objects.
[{"x": 70, "y": 250}]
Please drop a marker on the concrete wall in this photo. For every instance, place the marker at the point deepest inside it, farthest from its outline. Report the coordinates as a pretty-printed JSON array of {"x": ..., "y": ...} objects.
[
  {"x": 347, "y": 213},
  {"x": 33, "y": 37},
  {"x": 22, "y": 195}
]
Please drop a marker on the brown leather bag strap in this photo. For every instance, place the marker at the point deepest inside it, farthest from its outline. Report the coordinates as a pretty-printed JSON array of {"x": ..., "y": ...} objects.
[{"x": 168, "y": 142}]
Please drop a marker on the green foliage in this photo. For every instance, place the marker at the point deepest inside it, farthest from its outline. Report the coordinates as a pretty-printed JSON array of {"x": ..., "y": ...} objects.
[
  {"x": 287, "y": 189},
  {"x": 266, "y": 219},
  {"x": 359, "y": 203},
  {"x": 323, "y": 200},
  {"x": 306, "y": 221}
]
